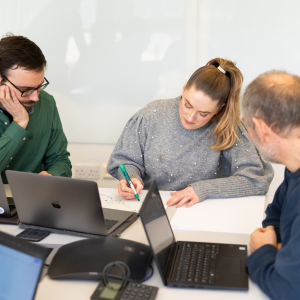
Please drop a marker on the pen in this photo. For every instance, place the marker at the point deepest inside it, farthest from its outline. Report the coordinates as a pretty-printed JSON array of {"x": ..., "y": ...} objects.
[{"x": 123, "y": 169}]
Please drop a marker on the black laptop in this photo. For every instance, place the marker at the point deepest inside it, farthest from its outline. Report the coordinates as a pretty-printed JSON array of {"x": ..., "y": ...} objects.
[
  {"x": 62, "y": 203},
  {"x": 187, "y": 264},
  {"x": 7, "y": 205},
  {"x": 21, "y": 266}
]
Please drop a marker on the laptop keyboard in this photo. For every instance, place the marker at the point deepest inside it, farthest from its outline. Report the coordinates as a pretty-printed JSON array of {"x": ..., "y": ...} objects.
[
  {"x": 197, "y": 263},
  {"x": 110, "y": 223}
]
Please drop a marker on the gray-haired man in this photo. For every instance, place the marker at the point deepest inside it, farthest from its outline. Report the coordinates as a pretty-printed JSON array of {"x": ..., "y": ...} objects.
[{"x": 271, "y": 106}]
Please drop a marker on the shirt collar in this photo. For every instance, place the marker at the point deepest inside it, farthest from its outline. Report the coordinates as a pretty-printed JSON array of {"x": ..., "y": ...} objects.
[{"x": 31, "y": 111}]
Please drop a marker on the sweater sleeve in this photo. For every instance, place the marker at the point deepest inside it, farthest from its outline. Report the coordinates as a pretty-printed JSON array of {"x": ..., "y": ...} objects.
[
  {"x": 129, "y": 149},
  {"x": 56, "y": 159},
  {"x": 249, "y": 174},
  {"x": 277, "y": 272}
]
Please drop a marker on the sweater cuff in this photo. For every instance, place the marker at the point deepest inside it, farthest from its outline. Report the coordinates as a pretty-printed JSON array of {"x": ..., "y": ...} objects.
[
  {"x": 16, "y": 133},
  {"x": 132, "y": 171},
  {"x": 200, "y": 190},
  {"x": 261, "y": 256},
  {"x": 220, "y": 188}
]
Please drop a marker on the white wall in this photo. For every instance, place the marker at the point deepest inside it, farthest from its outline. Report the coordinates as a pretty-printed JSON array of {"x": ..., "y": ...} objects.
[
  {"x": 107, "y": 59},
  {"x": 152, "y": 47},
  {"x": 278, "y": 178},
  {"x": 92, "y": 154},
  {"x": 247, "y": 32}
]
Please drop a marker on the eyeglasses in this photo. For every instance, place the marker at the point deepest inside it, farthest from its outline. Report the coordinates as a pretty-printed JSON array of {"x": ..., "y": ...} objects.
[{"x": 28, "y": 92}]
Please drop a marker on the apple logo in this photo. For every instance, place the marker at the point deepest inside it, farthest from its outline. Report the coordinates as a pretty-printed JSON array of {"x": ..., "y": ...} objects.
[{"x": 56, "y": 204}]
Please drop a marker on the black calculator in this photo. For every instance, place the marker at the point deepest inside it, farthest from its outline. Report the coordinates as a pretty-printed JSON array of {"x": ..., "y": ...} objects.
[
  {"x": 33, "y": 235},
  {"x": 133, "y": 291}
]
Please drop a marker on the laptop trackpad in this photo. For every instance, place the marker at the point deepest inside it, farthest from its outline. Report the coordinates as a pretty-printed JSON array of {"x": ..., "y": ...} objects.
[{"x": 230, "y": 265}]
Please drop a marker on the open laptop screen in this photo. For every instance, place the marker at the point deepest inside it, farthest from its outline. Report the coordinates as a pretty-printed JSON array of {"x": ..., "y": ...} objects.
[
  {"x": 20, "y": 268},
  {"x": 157, "y": 227}
]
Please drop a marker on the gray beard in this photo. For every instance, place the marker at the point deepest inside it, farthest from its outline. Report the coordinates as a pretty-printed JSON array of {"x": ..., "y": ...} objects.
[{"x": 268, "y": 154}]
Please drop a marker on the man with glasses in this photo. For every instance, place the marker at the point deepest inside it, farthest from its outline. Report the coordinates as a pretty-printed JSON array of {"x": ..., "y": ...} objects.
[{"x": 31, "y": 134}]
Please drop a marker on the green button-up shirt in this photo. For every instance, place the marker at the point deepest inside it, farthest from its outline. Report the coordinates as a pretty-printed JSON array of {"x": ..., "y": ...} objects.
[{"x": 42, "y": 146}]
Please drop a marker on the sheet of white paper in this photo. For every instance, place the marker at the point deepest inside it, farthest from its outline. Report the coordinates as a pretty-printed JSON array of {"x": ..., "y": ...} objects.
[
  {"x": 111, "y": 199},
  {"x": 222, "y": 215}
]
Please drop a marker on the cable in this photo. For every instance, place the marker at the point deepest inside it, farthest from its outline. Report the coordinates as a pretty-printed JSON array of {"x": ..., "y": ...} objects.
[
  {"x": 124, "y": 279},
  {"x": 150, "y": 274}
]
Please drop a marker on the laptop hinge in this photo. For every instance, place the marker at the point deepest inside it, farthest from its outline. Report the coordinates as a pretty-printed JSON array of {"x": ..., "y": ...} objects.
[{"x": 171, "y": 259}]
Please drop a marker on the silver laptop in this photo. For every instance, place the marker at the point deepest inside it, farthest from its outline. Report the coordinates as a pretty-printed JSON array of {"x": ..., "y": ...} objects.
[
  {"x": 62, "y": 203},
  {"x": 7, "y": 206}
]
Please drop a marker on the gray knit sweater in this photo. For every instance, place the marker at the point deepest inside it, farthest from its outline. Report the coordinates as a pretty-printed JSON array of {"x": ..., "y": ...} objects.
[{"x": 155, "y": 145}]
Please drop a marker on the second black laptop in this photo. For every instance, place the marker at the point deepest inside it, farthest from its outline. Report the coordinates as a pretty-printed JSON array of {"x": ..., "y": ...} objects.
[{"x": 191, "y": 264}]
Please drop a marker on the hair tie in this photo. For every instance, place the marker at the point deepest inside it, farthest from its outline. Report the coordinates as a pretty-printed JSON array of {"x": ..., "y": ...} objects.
[{"x": 222, "y": 70}]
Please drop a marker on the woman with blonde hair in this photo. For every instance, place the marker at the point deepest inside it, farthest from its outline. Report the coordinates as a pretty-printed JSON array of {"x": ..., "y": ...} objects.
[{"x": 195, "y": 144}]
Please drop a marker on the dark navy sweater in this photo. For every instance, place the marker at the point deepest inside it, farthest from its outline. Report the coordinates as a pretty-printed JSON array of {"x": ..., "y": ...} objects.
[{"x": 277, "y": 273}]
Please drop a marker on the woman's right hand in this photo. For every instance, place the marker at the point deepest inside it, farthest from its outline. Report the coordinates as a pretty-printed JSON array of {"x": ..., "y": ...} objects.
[{"x": 126, "y": 192}]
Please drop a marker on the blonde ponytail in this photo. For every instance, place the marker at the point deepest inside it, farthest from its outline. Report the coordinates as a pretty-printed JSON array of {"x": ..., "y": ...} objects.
[{"x": 224, "y": 88}]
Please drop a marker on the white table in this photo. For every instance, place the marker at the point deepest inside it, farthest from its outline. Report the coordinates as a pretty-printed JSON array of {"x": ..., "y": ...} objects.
[{"x": 71, "y": 289}]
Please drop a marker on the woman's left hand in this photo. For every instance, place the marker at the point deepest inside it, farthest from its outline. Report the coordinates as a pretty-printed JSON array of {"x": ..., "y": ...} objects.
[{"x": 187, "y": 196}]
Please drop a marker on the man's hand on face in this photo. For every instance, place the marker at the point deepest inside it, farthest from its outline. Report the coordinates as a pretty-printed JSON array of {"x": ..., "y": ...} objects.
[
  {"x": 11, "y": 103},
  {"x": 261, "y": 237}
]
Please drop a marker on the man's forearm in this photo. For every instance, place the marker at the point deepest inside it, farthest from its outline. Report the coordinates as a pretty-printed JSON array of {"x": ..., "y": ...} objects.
[{"x": 61, "y": 168}]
